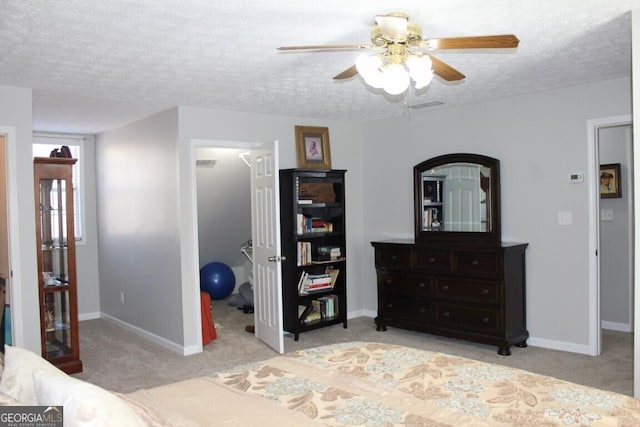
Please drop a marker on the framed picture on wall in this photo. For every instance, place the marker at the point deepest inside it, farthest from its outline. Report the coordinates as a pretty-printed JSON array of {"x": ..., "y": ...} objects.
[
  {"x": 312, "y": 147},
  {"x": 610, "y": 181}
]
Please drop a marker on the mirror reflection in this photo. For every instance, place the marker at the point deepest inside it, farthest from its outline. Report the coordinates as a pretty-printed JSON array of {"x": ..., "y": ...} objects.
[{"x": 456, "y": 197}]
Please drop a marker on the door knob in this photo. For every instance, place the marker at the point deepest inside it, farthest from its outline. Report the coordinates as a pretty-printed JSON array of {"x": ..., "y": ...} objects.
[{"x": 276, "y": 258}]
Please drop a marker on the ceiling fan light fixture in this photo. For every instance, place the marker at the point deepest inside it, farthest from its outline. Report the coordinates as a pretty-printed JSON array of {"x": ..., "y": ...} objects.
[
  {"x": 420, "y": 70},
  {"x": 423, "y": 81},
  {"x": 396, "y": 79},
  {"x": 369, "y": 67}
]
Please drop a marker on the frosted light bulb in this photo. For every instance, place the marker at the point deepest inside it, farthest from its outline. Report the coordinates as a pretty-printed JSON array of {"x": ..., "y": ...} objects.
[
  {"x": 369, "y": 68},
  {"x": 396, "y": 79}
]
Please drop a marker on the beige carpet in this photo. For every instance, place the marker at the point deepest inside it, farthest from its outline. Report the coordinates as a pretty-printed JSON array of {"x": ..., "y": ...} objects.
[{"x": 121, "y": 361}]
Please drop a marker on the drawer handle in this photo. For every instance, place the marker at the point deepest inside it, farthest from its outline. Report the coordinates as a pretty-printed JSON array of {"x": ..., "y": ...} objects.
[
  {"x": 394, "y": 257},
  {"x": 423, "y": 310},
  {"x": 485, "y": 292},
  {"x": 432, "y": 260},
  {"x": 446, "y": 314},
  {"x": 422, "y": 285},
  {"x": 475, "y": 262},
  {"x": 388, "y": 281},
  {"x": 445, "y": 288},
  {"x": 485, "y": 320},
  {"x": 389, "y": 305}
]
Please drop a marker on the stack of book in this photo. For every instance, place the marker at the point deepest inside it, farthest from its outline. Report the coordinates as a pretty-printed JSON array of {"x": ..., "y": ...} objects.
[
  {"x": 329, "y": 253},
  {"x": 310, "y": 283},
  {"x": 305, "y": 225}
]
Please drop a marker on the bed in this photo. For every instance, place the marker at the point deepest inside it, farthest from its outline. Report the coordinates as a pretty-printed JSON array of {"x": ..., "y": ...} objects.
[{"x": 368, "y": 384}]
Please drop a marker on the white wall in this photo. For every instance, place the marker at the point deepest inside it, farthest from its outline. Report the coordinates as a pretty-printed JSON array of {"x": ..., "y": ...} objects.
[
  {"x": 224, "y": 209},
  {"x": 87, "y": 254},
  {"x": 138, "y": 233},
  {"x": 614, "y": 144},
  {"x": 16, "y": 117},
  {"x": 539, "y": 139}
]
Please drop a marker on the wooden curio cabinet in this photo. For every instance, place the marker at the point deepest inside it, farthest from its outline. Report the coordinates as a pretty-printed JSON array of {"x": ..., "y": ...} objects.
[{"x": 57, "y": 262}]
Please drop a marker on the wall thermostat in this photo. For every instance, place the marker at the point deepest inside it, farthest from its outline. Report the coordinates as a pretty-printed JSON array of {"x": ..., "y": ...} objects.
[{"x": 575, "y": 177}]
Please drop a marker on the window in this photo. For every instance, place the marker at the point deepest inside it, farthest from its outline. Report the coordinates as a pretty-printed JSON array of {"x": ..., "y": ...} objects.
[{"x": 42, "y": 145}]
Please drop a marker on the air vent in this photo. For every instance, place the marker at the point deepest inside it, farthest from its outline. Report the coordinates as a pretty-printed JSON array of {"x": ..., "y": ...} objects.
[
  {"x": 425, "y": 105},
  {"x": 205, "y": 163}
]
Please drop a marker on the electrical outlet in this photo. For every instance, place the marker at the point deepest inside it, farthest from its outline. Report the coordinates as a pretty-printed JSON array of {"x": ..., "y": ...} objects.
[
  {"x": 606, "y": 214},
  {"x": 121, "y": 297},
  {"x": 565, "y": 218}
]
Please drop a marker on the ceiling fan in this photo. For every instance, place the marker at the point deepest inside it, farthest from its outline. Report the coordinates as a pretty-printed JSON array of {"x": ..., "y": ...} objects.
[{"x": 399, "y": 54}]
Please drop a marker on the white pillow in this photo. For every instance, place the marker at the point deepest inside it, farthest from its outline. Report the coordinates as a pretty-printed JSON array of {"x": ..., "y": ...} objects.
[
  {"x": 17, "y": 377},
  {"x": 84, "y": 404}
]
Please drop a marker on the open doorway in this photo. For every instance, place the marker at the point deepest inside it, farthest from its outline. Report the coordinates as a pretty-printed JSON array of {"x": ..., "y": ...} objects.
[
  {"x": 616, "y": 225},
  {"x": 610, "y": 229},
  {"x": 223, "y": 192},
  {"x": 265, "y": 235}
]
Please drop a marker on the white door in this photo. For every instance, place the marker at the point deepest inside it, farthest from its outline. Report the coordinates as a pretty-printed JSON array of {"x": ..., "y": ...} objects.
[{"x": 265, "y": 219}]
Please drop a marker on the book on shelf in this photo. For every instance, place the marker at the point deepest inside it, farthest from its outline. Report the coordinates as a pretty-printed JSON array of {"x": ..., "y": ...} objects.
[
  {"x": 309, "y": 283},
  {"x": 305, "y": 201},
  {"x": 331, "y": 250},
  {"x": 302, "y": 308},
  {"x": 301, "y": 282},
  {"x": 305, "y": 225},
  {"x": 327, "y": 253},
  {"x": 323, "y": 308},
  {"x": 333, "y": 273},
  {"x": 312, "y": 312},
  {"x": 303, "y": 253},
  {"x": 328, "y": 306}
]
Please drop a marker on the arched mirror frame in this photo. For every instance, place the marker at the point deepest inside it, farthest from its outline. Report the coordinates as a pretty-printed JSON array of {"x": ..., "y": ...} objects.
[{"x": 490, "y": 237}]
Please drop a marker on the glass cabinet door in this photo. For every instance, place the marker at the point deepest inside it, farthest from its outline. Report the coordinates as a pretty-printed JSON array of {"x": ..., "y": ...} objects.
[
  {"x": 56, "y": 263},
  {"x": 55, "y": 267},
  {"x": 57, "y": 324}
]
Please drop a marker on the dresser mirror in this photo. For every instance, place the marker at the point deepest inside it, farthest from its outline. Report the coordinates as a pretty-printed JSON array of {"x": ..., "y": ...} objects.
[{"x": 457, "y": 199}]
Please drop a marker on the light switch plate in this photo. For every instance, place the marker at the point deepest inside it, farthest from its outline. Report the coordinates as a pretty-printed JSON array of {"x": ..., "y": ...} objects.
[{"x": 576, "y": 177}]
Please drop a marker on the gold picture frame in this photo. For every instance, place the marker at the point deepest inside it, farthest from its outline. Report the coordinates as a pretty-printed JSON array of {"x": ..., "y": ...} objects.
[
  {"x": 312, "y": 147},
  {"x": 610, "y": 181}
]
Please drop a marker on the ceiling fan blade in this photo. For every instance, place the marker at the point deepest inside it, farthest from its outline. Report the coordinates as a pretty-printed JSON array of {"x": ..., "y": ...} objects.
[
  {"x": 326, "y": 47},
  {"x": 445, "y": 71},
  {"x": 346, "y": 74},
  {"x": 480, "y": 42}
]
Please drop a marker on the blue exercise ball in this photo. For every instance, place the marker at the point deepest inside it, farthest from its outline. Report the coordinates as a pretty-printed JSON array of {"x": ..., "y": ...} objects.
[{"x": 217, "y": 279}]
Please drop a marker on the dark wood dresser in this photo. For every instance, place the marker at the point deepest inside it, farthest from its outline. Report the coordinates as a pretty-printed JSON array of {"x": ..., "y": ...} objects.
[{"x": 476, "y": 293}]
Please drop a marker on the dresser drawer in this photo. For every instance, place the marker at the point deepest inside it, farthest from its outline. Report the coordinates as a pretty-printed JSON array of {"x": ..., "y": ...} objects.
[
  {"x": 404, "y": 284},
  {"x": 429, "y": 260},
  {"x": 464, "y": 289},
  {"x": 466, "y": 318},
  {"x": 477, "y": 263},
  {"x": 406, "y": 309},
  {"x": 393, "y": 257}
]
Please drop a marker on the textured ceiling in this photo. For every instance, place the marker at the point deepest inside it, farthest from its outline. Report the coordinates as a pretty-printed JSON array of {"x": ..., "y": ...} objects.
[{"x": 96, "y": 64}]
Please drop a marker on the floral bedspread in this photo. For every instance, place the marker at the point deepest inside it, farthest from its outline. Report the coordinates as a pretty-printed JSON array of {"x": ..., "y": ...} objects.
[{"x": 373, "y": 384}]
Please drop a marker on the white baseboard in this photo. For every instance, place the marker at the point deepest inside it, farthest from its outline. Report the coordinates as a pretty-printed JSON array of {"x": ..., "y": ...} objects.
[
  {"x": 614, "y": 326},
  {"x": 362, "y": 313},
  {"x": 185, "y": 351},
  {"x": 558, "y": 345},
  {"x": 88, "y": 316}
]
